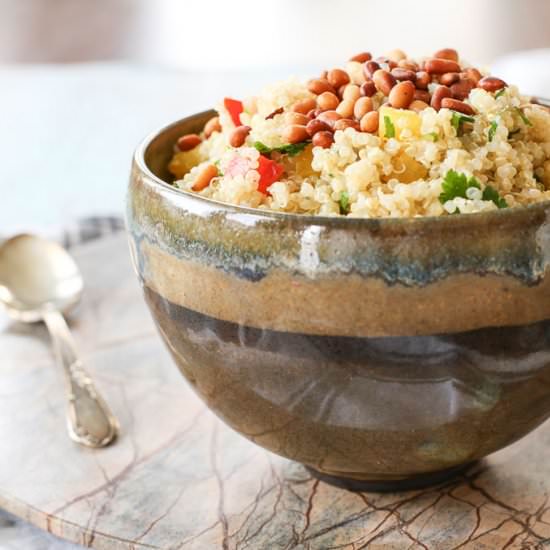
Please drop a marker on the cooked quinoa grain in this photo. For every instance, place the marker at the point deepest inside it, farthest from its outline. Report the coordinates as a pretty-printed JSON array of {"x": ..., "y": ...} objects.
[{"x": 378, "y": 137}]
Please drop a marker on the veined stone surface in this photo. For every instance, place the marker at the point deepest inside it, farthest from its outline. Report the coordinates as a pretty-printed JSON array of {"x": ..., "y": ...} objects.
[{"x": 178, "y": 478}]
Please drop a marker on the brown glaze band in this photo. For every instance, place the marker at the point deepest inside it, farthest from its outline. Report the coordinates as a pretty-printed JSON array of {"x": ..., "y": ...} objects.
[{"x": 361, "y": 307}]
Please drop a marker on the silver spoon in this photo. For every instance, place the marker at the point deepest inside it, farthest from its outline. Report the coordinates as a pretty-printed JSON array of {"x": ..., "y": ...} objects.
[{"x": 38, "y": 281}]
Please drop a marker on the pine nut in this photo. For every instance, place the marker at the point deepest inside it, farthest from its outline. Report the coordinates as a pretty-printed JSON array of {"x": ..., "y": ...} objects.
[
  {"x": 345, "y": 109},
  {"x": 422, "y": 95},
  {"x": 205, "y": 177},
  {"x": 491, "y": 84},
  {"x": 362, "y": 57},
  {"x": 396, "y": 55},
  {"x": 473, "y": 74},
  {"x": 417, "y": 105},
  {"x": 337, "y": 78},
  {"x": 403, "y": 74},
  {"x": 370, "y": 67},
  {"x": 304, "y": 105},
  {"x": 316, "y": 125},
  {"x": 362, "y": 106},
  {"x": 447, "y": 53},
  {"x": 369, "y": 123},
  {"x": 344, "y": 123},
  {"x": 423, "y": 79},
  {"x": 441, "y": 66},
  {"x": 456, "y": 105},
  {"x": 295, "y": 133},
  {"x": 402, "y": 94},
  {"x": 213, "y": 125},
  {"x": 439, "y": 94},
  {"x": 319, "y": 85},
  {"x": 238, "y": 136},
  {"x": 386, "y": 63},
  {"x": 461, "y": 89},
  {"x": 188, "y": 142},
  {"x": 449, "y": 78},
  {"x": 323, "y": 139},
  {"x": 384, "y": 81},
  {"x": 297, "y": 118},
  {"x": 329, "y": 117},
  {"x": 327, "y": 101},
  {"x": 408, "y": 64},
  {"x": 368, "y": 88},
  {"x": 351, "y": 91}
]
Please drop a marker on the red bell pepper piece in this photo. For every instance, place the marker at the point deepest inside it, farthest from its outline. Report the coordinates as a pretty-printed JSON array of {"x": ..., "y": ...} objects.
[
  {"x": 269, "y": 172},
  {"x": 234, "y": 108}
]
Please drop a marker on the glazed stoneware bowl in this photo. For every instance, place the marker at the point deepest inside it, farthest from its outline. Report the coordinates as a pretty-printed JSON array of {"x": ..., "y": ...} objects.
[{"x": 392, "y": 352}]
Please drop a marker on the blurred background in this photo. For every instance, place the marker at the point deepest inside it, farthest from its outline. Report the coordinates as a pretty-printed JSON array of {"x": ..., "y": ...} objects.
[
  {"x": 81, "y": 81},
  {"x": 247, "y": 34}
]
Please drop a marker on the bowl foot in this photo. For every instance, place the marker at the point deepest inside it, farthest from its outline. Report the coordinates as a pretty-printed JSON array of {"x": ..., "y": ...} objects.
[{"x": 392, "y": 485}]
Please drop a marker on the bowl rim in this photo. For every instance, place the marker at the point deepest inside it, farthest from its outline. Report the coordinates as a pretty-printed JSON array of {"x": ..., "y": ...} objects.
[{"x": 499, "y": 215}]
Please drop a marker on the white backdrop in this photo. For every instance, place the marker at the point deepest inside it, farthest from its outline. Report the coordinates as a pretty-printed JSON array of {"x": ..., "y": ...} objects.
[{"x": 213, "y": 34}]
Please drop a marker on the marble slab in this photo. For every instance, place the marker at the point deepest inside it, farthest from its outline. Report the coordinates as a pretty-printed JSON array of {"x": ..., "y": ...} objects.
[{"x": 179, "y": 479}]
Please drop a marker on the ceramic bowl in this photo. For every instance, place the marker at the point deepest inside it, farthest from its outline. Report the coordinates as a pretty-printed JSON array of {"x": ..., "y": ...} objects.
[{"x": 388, "y": 351}]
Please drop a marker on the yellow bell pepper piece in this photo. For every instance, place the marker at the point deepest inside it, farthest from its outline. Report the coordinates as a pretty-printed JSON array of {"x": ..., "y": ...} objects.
[
  {"x": 402, "y": 119},
  {"x": 183, "y": 161},
  {"x": 407, "y": 169}
]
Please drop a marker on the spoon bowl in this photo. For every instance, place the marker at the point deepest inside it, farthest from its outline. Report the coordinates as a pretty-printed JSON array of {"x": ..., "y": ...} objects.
[{"x": 37, "y": 274}]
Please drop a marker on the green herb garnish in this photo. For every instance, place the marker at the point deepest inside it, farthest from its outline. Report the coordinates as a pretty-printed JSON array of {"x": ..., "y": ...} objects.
[
  {"x": 500, "y": 92},
  {"x": 292, "y": 149},
  {"x": 455, "y": 185},
  {"x": 217, "y": 165},
  {"x": 492, "y": 130},
  {"x": 491, "y": 194},
  {"x": 389, "y": 127},
  {"x": 263, "y": 149},
  {"x": 432, "y": 136},
  {"x": 458, "y": 119},
  {"x": 344, "y": 203},
  {"x": 523, "y": 117}
]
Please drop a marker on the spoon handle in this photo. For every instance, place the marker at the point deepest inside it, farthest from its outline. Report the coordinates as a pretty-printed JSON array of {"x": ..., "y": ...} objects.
[{"x": 89, "y": 420}]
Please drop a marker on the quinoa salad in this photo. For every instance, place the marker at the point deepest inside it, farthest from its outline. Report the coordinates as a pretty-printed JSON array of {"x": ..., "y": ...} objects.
[{"x": 379, "y": 137}]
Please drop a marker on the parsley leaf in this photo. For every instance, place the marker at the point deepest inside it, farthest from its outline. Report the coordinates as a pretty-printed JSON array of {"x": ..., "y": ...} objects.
[
  {"x": 432, "y": 136},
  {"x": 263, "y": 149},
  {"x": 217, "y": 165},
  {"x": 344, "y": 203},
  {"x": 455, "y": 185},
  {"x": 389, "y": 127},
  {"x": 500, "y": 92},
  {"x": 523, "y": 117},
  {"x": 292, "y": 149},
  {"x": 458, "y": 119},
  {"x": 491, "y": 194},
  {"x": 492, "y": 130}
]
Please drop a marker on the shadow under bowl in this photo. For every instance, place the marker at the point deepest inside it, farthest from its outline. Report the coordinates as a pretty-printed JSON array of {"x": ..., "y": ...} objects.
[{"x": 389, "y": 351}]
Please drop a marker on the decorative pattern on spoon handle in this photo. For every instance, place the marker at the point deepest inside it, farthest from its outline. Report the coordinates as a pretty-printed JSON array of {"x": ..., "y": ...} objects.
[{"x": 89, "y": 420}]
